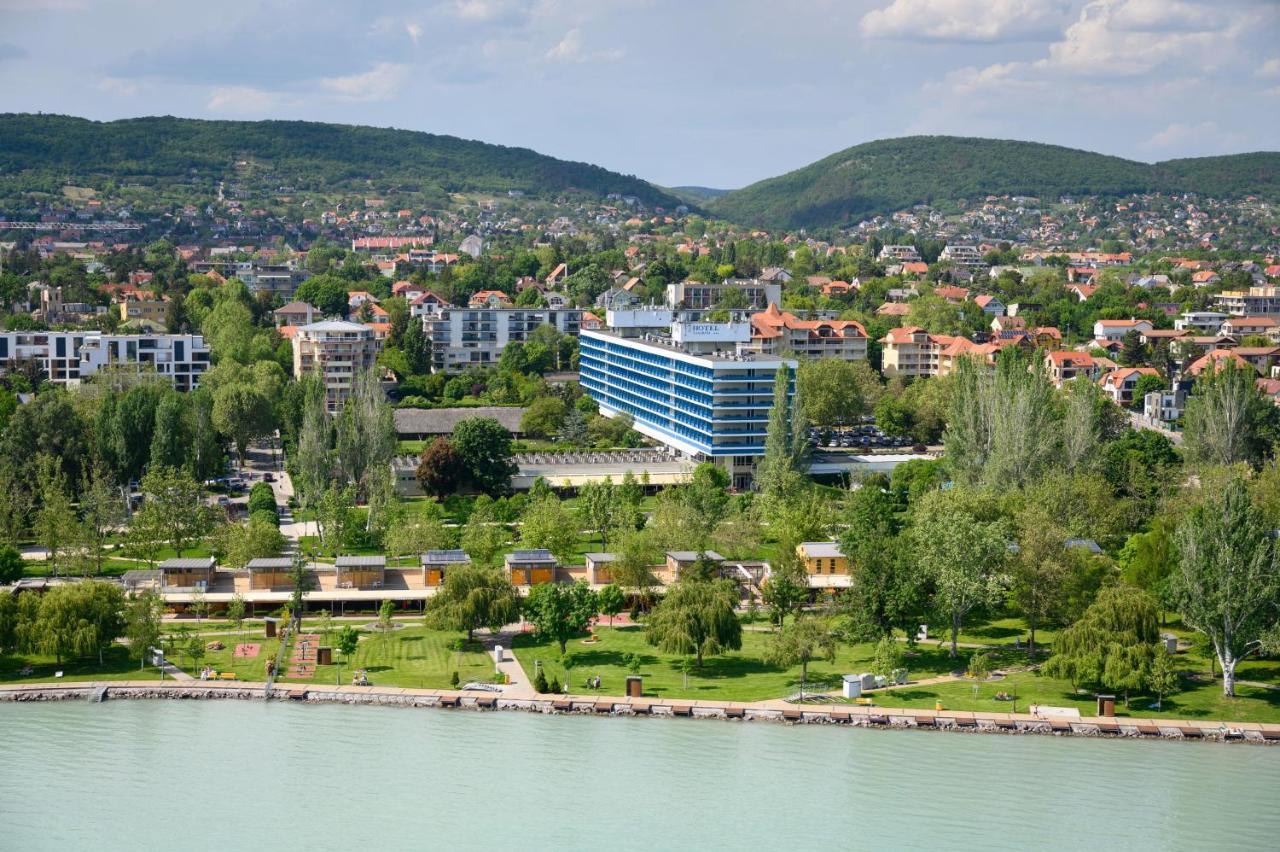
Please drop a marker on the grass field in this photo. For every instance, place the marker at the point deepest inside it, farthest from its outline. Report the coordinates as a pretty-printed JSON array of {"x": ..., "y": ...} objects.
[{"x": 117, "y": 665}]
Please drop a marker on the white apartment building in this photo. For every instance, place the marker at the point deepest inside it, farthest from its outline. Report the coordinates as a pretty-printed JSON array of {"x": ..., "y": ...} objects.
[
  {"x": 911, "y": 351},
  {"x": 1255, "y": 302},
  {"x": 1201, "y": 322},
  {"x": 962, "y": 255},
  {"x": 696, "y": 295},
  {"x": 899, "y": 254},
  {"x": 66, "y": 357},
  {"x": 475, "y": 337},
  {"x": 338, "y": 351}
]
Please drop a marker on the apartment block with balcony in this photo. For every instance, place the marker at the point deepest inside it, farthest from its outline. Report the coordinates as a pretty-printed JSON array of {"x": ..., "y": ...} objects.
[
  {"x": 475, "y": 337},
  {"x": 66, "y": 357},
  {"x": 691, "y": 390},
  {"x": 910, "y": 351},
  {"x": 962, "y": 255},
  {"x": 743, "y": 292},
  {"x": 337, "y": 351},
  {"x": 1254, "y": 302}
]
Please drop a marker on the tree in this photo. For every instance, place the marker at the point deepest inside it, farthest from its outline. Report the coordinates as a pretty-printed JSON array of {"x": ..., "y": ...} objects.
[
  {"x": 366, "y": 439},
  {"x": 258, "y": 538},
  {"x": 11, "y": 569},
  {"x": 888, "y": 656},
  {"x": 544, "y": 417},
  {"x": 170, "y": 439},
  {"x": 1039, "y": 568},
  {"x": 807, "y": 638},
  {"x": 235, "y": 611},
  {"x": 1002, "y": 430},
  {"x": 327, "y": 293},
  {"x": 601, "y": 506},
  {"x": 1226, "y": 584},
  {"x": 547, "y": 524},
  {"x": 243, "y": 414},
  {"x": 333, "y": 516},
  {"x": 961, "y": 551},
  {"x": 782, "y": 469},
  {"x": 706, "y": 501},
  {"x": 347, "y": 642},
  {"x": 633, "y": 568},
  {"x": 1162, "y": 677},
  {"x": 1227, "y": 419},
  {"x": 1145, "y": 385},
  {"x": 611, "y": 600},
  {"x": 786, "y": 589},
  {"x": 886, "y": 589},
  {"x": 696, "y": 618},
  {"x": 102, "y": 513},
  {"x": 175, "y": 502},
  {"x": 482, "y": 536},
  {"x": 1111, "y": 645},
  {"x": 485, "y": 448},
  {"x": 55, "y": 527},
  {"x": 560, "y": 611},
  {"x": 313, "y": 461},
  {"x": 75, "y": 620},
  {"x": 440, "y": 468},
  {"x": 143, "y": 625},
  {"x": 301, "y": 582},
  {"x": 415, "y": 535},
  {"x": 473, "y": 596},
  {"x": 831, "y": 391}
]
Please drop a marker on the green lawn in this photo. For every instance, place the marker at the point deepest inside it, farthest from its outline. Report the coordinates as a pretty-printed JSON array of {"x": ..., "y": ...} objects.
[
  {"x": 734, "y": 676},
  {"x": 117, "y": 665}
]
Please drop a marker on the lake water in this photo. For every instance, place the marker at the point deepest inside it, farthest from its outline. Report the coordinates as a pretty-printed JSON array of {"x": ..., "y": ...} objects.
[{"x": 142, "y": 775}]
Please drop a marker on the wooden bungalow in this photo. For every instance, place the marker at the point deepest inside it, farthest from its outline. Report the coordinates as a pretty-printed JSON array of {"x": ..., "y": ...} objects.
[
  {"x": 270, "y": 573},
  {"x": 680, "y": 560},
  {"x": 822, "y": 557},
  {"x": 361, "y": 572},
  {"x": 188, "y": 573},
  {"x": 599, "y": 570},
  {"x": 530, "y": 567},
  {"x": 436, "y": 562}
]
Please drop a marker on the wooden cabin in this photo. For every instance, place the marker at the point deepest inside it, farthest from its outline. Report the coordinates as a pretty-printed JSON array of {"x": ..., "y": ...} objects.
[
  {"x": 436, "y": 562},
  {"x": 361, "y": 572},
  {"x": 530, "y": 567},
  {"x": 188, "y": 573},
  {"x": 680, "y": 560},
  {"x": 822, "y": 557},
  {"x": 599, "y": 571},
  {"x": 270, "y": 573}
]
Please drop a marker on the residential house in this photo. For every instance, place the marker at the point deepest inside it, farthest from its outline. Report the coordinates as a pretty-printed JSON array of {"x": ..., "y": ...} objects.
[
  {"x": 1065, "y": 365},
  {"x": 990, "y": 305},
  {"x": 822, "y": 557},
  {"x": 1114, "y": 331},
  {"x": 1119, "y": 384}
]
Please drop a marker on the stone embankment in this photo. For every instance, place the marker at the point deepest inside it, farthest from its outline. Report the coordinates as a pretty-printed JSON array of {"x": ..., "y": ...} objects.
[{"x": 601, "y": 705}]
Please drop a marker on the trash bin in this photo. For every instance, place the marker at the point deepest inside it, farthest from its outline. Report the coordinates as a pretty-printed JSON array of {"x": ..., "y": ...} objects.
[
  {"x": 271, "y": 628},
  {"x": 324, "y": 656},
  {"x": 1106, "y": 705},
  {"x": 635, "y": 687}
]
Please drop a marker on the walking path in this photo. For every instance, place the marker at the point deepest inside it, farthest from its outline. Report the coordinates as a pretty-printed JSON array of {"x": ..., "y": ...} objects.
[{"x": 519, "y": 685}]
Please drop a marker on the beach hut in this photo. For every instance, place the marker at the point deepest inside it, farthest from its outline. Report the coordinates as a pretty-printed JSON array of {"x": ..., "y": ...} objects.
[
  {"x": 530, "y": 567},
  {"x": 436, "y": 562},
  {"x": 599, "y": 571},
  {"x": 270, "y": 573},
  {"x": 361, "y": 572},
  {"x": 188, "y": 573}
]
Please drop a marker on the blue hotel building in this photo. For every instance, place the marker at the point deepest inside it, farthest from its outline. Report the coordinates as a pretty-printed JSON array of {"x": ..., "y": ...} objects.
[{"x": 706, "y": 403}]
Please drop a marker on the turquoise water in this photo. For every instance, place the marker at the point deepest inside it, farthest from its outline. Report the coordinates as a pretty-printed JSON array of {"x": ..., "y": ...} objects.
[{"x": 142, "y": 775}]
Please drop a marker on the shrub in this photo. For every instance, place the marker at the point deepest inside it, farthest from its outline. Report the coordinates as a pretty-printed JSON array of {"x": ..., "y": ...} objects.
[
  {"x": 454, "y": 680},
  {"x": 554, "y": 688},
  {"x": 540, "y": 681}
]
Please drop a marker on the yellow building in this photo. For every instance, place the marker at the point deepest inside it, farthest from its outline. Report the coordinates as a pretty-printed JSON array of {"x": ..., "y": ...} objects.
[
  {"x": 822, "y": 557},
  {"x": 143, "y": 311}
]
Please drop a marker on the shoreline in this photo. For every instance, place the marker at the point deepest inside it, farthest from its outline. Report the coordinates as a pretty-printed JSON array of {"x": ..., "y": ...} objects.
[{"x": 607, "y": 705}]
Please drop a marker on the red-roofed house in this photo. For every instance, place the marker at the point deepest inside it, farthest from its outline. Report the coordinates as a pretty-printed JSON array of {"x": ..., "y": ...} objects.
[
  {"x": 489, "y": 299},
  {"x": 1114, "y": 330},
  {"x": 915, "y": 268},
  {"x": 1214, "y": 359},
  {"x": 776, "y": 332},
  {"x": 1065, "y": 365},
  {"x": 1119, "y": 384},
  {"x": 954, "y": 295}
]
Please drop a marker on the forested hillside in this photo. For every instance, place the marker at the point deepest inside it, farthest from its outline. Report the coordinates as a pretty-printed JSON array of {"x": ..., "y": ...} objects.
[
  {"x": 895, "y": 174},
  {"x": 44, "y": 152}
]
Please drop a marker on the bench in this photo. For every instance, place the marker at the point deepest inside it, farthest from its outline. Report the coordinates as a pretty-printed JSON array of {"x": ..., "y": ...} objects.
[
  {"x": 925, "y": 721},
  {"x": 227, "y": 676},
  {"x": 487, "y": 703},
  {"x": 793, "y": 714},
  {"x": 562, "y": 706},
  {"x": 602, "y": 707},
  {"x": 682, "y": 710},
  {"x": 448, "y": 701},
  {"x": 735, "y": 712}
]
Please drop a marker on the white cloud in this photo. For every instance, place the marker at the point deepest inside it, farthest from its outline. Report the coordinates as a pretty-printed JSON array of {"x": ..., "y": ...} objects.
[
  {"x": 966, "y": 20},
  {"x": 1270, "y": 68},
  {"x": 117, "y": 86},
  {"x": 1130, "y": 37},
  {"x": 379, "y": 83},
  {"x": 242, "y": 99},
  {"x": 487, "y": 11},
  {"x": 1203, "y": 136},
  {"x": 569, "y": 48},
  {"x": 414, "y": 30}
]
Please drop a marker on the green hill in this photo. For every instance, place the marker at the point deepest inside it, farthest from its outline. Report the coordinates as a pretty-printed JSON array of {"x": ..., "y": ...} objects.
[
  {"x": 894, "y": 174},
  {"x": 48, "y": 151}
]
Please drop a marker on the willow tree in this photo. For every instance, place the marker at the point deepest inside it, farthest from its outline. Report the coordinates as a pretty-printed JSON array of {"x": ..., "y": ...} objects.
[
  {"x": 696, "y": 618},
  {"x": 1003, "y": 429},
  {"x": 1113, "y": 643},
  {"x": 473, "y": 596},
  {"x": 1226, "y": 584}
]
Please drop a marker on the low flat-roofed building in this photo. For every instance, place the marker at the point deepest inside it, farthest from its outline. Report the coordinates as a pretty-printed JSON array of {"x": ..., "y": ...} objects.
[
  {"x": 680, "y": 560},
  {"x": 420, "y": 424},
  {"x": 436, "y": 562},
  {"x": 530, "y": 567},
  {"x": 270, "y": 572},
  {"x": 599, "y": 567},
  {"x": 823, "y": 557},
  {"x": 188, "y": 573},
  {"x": 361, "y": 572}
]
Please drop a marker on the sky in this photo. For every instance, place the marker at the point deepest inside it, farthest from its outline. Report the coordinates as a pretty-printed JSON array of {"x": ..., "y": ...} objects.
[{"x": 715, "y": 93}]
